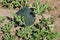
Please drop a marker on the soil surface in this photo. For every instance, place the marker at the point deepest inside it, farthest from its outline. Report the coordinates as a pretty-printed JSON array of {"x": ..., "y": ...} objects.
[{"x": 54, "y": 13}]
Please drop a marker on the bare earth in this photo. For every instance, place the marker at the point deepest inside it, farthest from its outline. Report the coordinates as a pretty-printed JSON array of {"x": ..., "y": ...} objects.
[{"x": 54, "y": 13}]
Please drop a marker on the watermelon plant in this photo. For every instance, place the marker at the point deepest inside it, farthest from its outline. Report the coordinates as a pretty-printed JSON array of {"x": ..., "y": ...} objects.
[
  {"x": 8, "y": 37},
  {"x": 24, "y": 3},
  {"x": 6, "y": 28}
]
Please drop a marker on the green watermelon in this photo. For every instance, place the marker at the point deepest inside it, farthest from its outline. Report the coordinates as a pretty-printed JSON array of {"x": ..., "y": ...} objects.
[{"x": 29, "y": 15}]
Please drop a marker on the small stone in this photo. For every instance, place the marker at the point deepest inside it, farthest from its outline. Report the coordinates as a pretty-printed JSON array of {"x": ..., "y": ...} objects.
[{"x": 59, "y": 15}]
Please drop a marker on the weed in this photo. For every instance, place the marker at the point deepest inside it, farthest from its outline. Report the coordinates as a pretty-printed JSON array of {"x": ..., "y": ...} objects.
[
  {"x": 8, "y": 37},
  {"x": 40, "y": 8},
  {"x": 19, "y": 19},
  {"x": 6, "y": 28},
  {"x": 11, "y": 4},
  {"x": 2, "y": 18},
  {"x": 24, "y": 3},
  {"x": 24, "y": 32}
]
